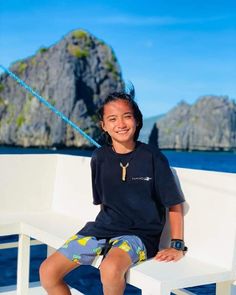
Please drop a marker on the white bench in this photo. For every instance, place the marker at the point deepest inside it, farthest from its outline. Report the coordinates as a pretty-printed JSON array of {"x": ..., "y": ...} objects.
[{"x": 48, "y": 198}]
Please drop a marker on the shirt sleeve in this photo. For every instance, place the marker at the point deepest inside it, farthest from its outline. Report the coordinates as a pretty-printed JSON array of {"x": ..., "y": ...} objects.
[
  {"x": 93, "y": 165},
  {"x": 165, "y": 184}
]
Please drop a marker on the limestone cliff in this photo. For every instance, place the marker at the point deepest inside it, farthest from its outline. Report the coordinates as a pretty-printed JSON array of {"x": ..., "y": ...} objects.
[
  {"x": 74, "y": 75},
  {"x": 209, "y": 124}
]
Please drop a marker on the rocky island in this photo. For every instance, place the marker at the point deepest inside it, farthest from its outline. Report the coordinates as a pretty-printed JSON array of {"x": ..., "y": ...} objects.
[
  {"x": 74, "y": 75},
  {"x": 208, "y": 124}
]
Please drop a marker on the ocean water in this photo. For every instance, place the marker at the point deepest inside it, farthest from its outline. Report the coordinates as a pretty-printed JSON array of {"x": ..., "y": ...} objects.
[
  {"x": 213, "y": 161},
  {"x": 86, "y": 278}
]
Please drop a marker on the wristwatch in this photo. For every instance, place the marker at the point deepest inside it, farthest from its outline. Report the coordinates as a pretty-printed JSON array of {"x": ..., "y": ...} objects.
[{"x": 178, "y": 245}]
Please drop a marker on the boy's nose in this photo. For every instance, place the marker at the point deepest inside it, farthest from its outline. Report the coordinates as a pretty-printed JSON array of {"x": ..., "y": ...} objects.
[{"x": 121, "y": 123}]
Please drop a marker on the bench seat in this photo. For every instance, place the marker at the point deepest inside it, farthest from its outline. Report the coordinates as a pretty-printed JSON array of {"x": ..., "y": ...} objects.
[
  {"x": 48, "y": 227},
  {"x": 51, "y": 229},
  {"x": 164, "y": 277}
]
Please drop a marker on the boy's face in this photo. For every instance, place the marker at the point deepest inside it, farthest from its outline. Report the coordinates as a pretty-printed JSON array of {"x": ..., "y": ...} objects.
[{"x": 119, "y": 122}]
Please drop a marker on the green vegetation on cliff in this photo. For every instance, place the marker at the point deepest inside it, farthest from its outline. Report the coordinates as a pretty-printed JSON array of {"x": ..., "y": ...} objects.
[
  {"x": 80, "y": 48},
  {"x": 22, "y": 67},
  {"x": 77, "y": 51}
]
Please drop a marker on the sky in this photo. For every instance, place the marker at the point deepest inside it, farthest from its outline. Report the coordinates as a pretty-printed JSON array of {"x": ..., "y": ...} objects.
[{"x": 170, "y": 50}]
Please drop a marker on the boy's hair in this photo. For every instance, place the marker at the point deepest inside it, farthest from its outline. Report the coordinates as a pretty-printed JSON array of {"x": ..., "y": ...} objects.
[{"x": 129, "y": 98}]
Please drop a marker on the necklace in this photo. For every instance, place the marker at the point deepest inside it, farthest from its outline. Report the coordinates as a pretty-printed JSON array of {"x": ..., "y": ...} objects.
[
  {"x": 124, "y": 170},
  {"x": 124, "y": 167}
]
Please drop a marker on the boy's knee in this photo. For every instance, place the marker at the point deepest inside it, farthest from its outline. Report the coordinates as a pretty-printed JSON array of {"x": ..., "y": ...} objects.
[
  {"x": 48, "y": 278},
  {"x": 110, "y": 273}
]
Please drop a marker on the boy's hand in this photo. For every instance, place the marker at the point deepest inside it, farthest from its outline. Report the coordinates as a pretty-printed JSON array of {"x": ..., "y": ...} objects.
[{"x": 169, "y": 254}]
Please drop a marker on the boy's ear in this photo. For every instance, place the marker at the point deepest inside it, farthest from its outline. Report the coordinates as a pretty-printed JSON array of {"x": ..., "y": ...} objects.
[{"x": 102, "y": 125}]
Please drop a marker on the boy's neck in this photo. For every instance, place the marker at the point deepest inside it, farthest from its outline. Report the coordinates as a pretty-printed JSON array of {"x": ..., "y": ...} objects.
[{"x": 123, "y": 148}]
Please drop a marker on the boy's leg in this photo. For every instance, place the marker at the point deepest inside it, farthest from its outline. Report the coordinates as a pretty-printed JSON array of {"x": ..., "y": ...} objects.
[
  {"x": 113, "y": 269},
  {"x": 125, "y": 251},
  {"x": 52, "y": 272},
  {"x": 77, "y": 250}
]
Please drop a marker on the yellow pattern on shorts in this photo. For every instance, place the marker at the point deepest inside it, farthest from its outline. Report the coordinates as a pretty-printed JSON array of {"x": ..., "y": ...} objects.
[
  {"x": 76, "y": 258},
  {"x": 142, "y": 255},
  {"x": 97, "y": 250},
  {"x": 84, "y": 241},
  {"x": 75, "y": 237},
  {"x": 125, "y": 246}
]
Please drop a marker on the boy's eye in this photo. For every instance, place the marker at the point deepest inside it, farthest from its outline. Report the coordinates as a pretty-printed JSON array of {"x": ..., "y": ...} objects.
[
  {"x": 128, "y": 116},
  {"x": 112, "y": 119}
]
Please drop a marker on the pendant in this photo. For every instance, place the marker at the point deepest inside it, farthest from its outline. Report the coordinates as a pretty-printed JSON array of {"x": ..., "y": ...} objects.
[{"x": 124, "y": 170}]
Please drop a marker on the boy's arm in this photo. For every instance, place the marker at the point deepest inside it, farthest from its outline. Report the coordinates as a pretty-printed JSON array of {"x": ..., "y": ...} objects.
[
  {"x": 176, "y": 222},
  {"x": 176, "y": 230}
]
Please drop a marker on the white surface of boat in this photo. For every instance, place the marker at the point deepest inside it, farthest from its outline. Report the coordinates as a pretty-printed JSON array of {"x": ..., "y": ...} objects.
[{"x": 48, "y": 198}]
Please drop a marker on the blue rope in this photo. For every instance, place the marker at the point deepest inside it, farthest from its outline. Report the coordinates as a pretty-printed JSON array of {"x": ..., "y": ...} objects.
[{"x": 51, "y": 107}]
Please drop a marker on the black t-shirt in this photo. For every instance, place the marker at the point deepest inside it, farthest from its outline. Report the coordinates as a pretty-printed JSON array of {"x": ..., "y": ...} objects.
[{"x": 135, "y": 206}]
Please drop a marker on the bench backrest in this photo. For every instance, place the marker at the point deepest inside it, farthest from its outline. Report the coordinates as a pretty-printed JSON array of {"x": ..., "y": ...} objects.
[
  {"x": 26, "y": 182},
  {"x": 72, "y": 188},
  {"x": 210, "y": 215}
]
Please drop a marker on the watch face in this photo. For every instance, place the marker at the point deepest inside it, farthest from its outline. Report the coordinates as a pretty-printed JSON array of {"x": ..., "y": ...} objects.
[{"x": 178, "y": 245}]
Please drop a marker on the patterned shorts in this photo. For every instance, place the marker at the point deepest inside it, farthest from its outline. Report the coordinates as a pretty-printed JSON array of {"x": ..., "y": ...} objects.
[{"x": 83, "y": 249}]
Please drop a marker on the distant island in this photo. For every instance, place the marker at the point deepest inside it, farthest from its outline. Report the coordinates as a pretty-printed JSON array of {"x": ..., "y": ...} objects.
[{"x": 208, "y": 124}]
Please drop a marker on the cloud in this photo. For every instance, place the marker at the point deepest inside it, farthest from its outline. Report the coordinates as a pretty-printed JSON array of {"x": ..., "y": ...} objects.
[
  {"x": 136, "y": 20},
  {"x": 153, "y": 20}
]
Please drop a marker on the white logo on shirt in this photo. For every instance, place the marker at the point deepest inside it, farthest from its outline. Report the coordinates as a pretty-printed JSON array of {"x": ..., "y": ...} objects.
[{"x": 142, "y": 178}]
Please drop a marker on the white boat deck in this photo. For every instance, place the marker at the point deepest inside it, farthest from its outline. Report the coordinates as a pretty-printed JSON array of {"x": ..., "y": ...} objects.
[{"x": 39, "y": 192}]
